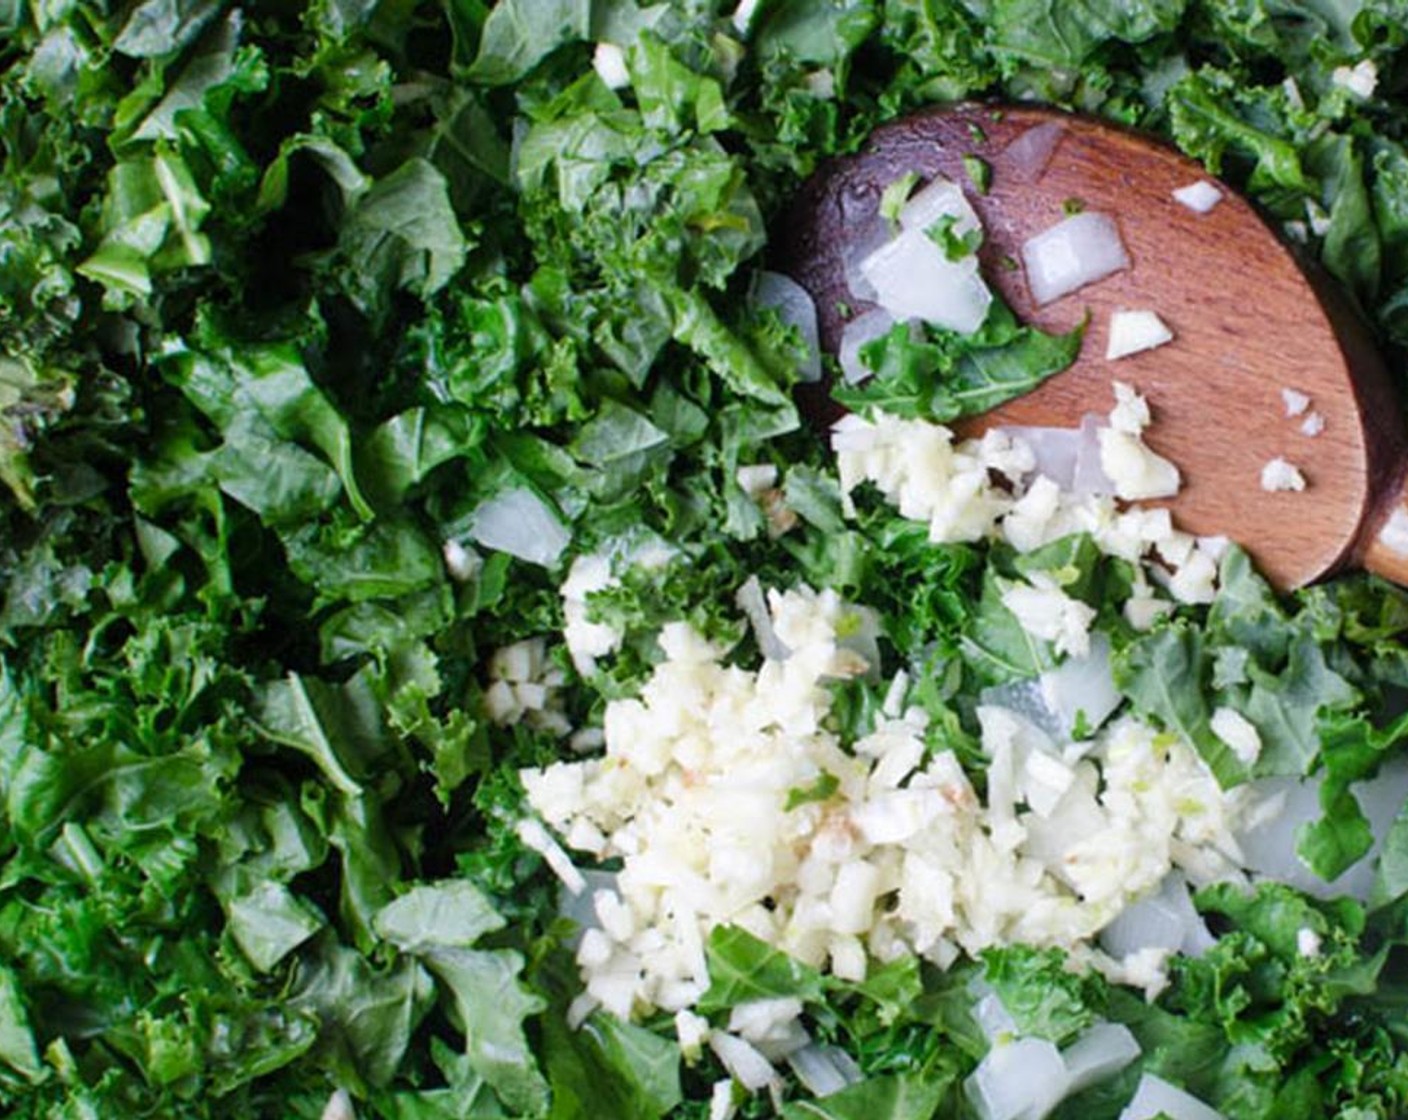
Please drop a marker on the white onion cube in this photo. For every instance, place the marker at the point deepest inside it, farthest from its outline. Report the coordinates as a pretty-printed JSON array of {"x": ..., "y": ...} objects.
[
  {"x": 520, "y": 523},
  {"x": 1199, "y": 197},
  {"x": 1156, "y": 1096},
  {"x": 941, "y": 198},
  {"x": 795, "y": 307},
  {"x": 1075, "y": 252},
  {"x": 913, "y": 279},
  {"x": 747, "y": 1066},
  {"x": 1021, "y": 1080},
  {"x": 1082, "y": 689},
  {"x": 863, "y": 329},
  {"x": 1165, "y": 919},
  {"x": 1100, "y": 1052}
]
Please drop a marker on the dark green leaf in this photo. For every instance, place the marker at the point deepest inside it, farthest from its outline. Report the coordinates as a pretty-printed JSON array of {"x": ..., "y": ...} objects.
[
  {"x": 452, "y": 914},
  {"x": 401, "y": 234}
]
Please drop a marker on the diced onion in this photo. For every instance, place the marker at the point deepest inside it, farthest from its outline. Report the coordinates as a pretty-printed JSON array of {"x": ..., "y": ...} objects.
[
  {"x": 795, "y": 307},
  {"x": 861, "y": 242},
  {"x": 339, "y": 1107},
  {"x": 1138, "y": 472},
  {"x": 751, "y": 601},
  {"x": 1156, "y": 1096},
  {"x": 461, "y": 563},
  {"x": 941, "y": 198},
  {"x": 1132, "y": 332},
  {"x": 1027, "y": 156},
  {"x": 1024, "y": 698},
  {"x": 609, "y": 61},
  {"x": 863, "y": 329},
  {"x": 535, "y": 836},
  {"x": 913, "y": 279},
  {"x": 580, "y": 906},
  {"x": 1103, "y": 1050},
  {"x": 817, "y": 1070},
  {"x": 1082, "y": 689},
  {"x": 1019, "y": 1080},
  {"x": 760, "y": 1019},
  {"x": 721, "y": 1106},
  {"x": 1163, "y": 920},
  {"x": 1090, "y": 479},
  {"x": 1075, "y": 252},
  {"x": 992, "y": 1016},
  {"x": 1268, "y": 840},
  {"x": 520, "y": 523},
  {"x": 1076, "y": 818},
  {"x": 1055, "y": 450},
  {"x": 743, "y": 1062},
  {"x": 1201, "y": 196},
  {"x": 1295, "y": 401},
  {"x": 1238, "y": 733}
]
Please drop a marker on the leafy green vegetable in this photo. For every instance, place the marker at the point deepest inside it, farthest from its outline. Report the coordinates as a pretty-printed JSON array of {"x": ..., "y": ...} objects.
[
  {"x": 895, "y": 195},
  {"x": 1043, "y": 997},
  {"x": 896, "y": 1097},
  {"x": 288, "y": 292},
  {"x": 820, "y": 790},
  {"x": 940, "y": 375},
  {"x": 743, "y": 968},
  {"x": 955, "y": 246}
]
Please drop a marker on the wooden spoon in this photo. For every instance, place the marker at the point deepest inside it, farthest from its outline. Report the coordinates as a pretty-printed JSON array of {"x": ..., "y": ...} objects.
[{"x": 1248, "y": 322}]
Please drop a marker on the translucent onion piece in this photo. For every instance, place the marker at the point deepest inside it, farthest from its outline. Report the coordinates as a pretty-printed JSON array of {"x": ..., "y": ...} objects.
[
  {"x": 1155, "y": 1096},
  {"x": 861, "y": 242},
  {"x": 874, "y": 324},
  {"x": 1103, "y": 1050},
  {"x": 796, "y": 308},
  {"x": 913, "y": 279},
  {"x": 1026, "y": 699},
  {"x": 939, "y": 199},
  {"x": 1090, "y": 478},
  {"x": 742, "y": 1061},
  {"x": 1081, "y": 690},
  {"x": 1075, "y": 252},
  {"x": 520, "y": 523},
  {"x": 991, "y": 1014},
  {"x": 751, "y": 601},
  {"x": 1163, "y": 920},
  {"x": 1269, "y": 842},
  {"x": 1026, "y": 158},
  {"x": 339, "y": 1107},
  {"x": 817, "y": 1070},
  {"x": 1021, "y": 1080},
  {"x": 1056, "y": 450}
]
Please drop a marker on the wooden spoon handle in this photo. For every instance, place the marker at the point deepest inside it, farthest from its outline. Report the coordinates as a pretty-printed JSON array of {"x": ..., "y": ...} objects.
[{"x": 1386, "y": 551}]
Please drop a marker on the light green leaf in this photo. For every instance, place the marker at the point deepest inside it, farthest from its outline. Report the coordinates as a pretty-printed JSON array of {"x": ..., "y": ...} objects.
[
  {"x": 491, "y": 1004},
  {"x": 269, "y": 921},
  {"x": 450, "y": 914}
]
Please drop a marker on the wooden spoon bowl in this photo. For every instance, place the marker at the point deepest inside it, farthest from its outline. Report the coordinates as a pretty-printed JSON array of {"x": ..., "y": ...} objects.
[{"x": 1248, "y": 322}]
